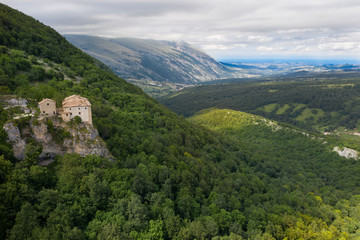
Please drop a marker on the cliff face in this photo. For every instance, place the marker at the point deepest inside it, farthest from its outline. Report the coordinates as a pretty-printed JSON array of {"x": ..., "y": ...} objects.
[{"x": 55, "y": 137}]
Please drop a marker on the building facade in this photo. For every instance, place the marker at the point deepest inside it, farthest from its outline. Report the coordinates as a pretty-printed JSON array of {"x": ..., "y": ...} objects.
[
  {"x": 76, "y": 106},
  {"x": 72, "y": 106},
  {"x": 48, "y": 107}
]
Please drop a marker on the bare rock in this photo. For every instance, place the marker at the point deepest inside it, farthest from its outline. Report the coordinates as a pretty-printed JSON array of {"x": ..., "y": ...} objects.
[
  {"x": 14, "y": 137},
  {"x": 83, "y": 139},
  {"x": 347, "y": 152},
  {"x": 17, "y": 102}
]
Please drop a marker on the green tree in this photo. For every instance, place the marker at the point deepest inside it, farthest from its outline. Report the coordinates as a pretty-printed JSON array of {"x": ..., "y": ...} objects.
[
  {"x": 5, "y": 168},
  {"x": 25, "y": 223},
  {"x": 77, "y": 119},
  {"x": 32, "y": 153},
  {"x": 137, "y": 214},
  {"x": 37, "y": 73}
]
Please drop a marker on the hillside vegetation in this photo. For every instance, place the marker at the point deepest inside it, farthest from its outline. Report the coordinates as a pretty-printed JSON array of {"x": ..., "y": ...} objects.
[
  {"x": 294, "y": 165},
  {"x": 170, "y": 179},
  {"x": 312, "y": 104}
]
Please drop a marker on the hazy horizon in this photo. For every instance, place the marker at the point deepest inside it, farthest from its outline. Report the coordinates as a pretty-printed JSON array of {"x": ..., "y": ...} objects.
[{"x": 288, "y": 60}]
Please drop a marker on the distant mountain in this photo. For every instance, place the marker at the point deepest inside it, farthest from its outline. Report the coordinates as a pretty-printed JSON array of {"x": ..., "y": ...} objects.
[
  {"x": 288, "y": 68},
  {"x": 154, "y": 60}
]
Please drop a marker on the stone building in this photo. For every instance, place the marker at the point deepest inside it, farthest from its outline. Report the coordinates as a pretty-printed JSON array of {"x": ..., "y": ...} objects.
[
  {"x": 47, "y": 107},
  {"x": 71, "y": 107},
  {"x": 76, "y": 106}
]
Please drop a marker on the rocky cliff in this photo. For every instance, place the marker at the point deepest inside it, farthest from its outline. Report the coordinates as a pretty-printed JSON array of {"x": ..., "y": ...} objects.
[{"x": 55, "y": 137}]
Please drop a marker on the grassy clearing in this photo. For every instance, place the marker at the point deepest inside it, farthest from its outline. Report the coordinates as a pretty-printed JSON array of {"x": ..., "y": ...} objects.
[
  {"x": 269, "y": 108},
  {"x": 282, "y": 109},
  {"x": 298, "y": 106},
  {"x": 308, "y": 113}
]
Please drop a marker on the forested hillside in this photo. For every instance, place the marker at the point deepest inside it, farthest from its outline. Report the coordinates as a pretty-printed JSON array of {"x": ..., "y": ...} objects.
[
  {"x": 316, "y": 104},
  {"x": 171, "y": 178}
]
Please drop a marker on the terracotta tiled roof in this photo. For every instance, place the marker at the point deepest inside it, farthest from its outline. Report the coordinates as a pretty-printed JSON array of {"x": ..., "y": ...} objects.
[
  {"x": 75, "y": 101},
  {"x": 46, "y": 100}
]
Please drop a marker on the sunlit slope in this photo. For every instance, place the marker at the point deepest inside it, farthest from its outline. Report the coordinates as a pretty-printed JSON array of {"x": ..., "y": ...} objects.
[{"x": 281, "y": 151}]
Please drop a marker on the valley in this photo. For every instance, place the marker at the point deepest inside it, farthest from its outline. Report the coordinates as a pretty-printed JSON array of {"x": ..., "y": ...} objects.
[
  {"x": 324, "y": 105},
  {"x": 319, "y": 104}
]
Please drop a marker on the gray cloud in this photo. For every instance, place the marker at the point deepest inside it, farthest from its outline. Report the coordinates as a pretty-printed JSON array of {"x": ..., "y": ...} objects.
[{"x": 223, "y": 28}]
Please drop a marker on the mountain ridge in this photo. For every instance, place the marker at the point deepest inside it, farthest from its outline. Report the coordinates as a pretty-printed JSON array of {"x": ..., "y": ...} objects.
[{"x": 156, "y": 60}]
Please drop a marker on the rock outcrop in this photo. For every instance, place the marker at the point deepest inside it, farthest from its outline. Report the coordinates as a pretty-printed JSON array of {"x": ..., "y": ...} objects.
[
  {"x": 64, "y": 138},
  {"x": 13, "y": 102},
  {"x": 347, "y": 152},
  {"x": 85, "y": 140},
  {"x": 14, "y": 137}
]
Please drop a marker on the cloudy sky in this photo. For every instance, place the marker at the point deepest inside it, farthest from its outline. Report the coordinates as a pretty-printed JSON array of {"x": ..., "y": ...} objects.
[{"x": 320, "y": 29}]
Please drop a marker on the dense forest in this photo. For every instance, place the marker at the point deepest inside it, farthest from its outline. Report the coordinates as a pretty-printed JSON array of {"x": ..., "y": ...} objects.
[
  {"x": 171, "y": 178},
  {"x": 310, "y": 103}
]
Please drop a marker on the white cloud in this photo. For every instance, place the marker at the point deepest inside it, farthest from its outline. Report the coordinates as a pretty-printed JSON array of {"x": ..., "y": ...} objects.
[
  {"x": 265, "y": 48},
  {"x": 215, "y": 47},
  {"x": 326, "y": 28},
  {"x": 339, "y": 46}
]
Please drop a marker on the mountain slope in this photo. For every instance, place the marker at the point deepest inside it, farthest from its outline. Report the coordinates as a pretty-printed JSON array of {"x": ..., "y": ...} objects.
[
  {"x": 170, "y": 179},
  {"x": 290, "y": 160},
  {"x": 145, "y": 59},
  {"x": 276, "y": 149}
]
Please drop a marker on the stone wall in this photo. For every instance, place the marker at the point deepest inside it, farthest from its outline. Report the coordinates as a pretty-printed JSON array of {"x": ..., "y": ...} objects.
[{"x": 47, "y": 107}]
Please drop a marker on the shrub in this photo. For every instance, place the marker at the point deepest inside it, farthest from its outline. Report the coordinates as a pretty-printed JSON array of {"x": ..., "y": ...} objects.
[{"x": 77, "y": 119}]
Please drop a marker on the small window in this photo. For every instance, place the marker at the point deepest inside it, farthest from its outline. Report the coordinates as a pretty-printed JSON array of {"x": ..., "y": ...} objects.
[
  {"x": 67, "y": 114},
  {"x": 85, "y": 108},
  {"x": 79, "y": 108},
  {"x": 43, "y": 111},
  {"x": 79, "y": 113},
  {"x": 70, "y": 114},
  {"x": 48, "y": 104},
  {"x": 70, "y": 108},
  {"x": 54, "y": 113}
]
